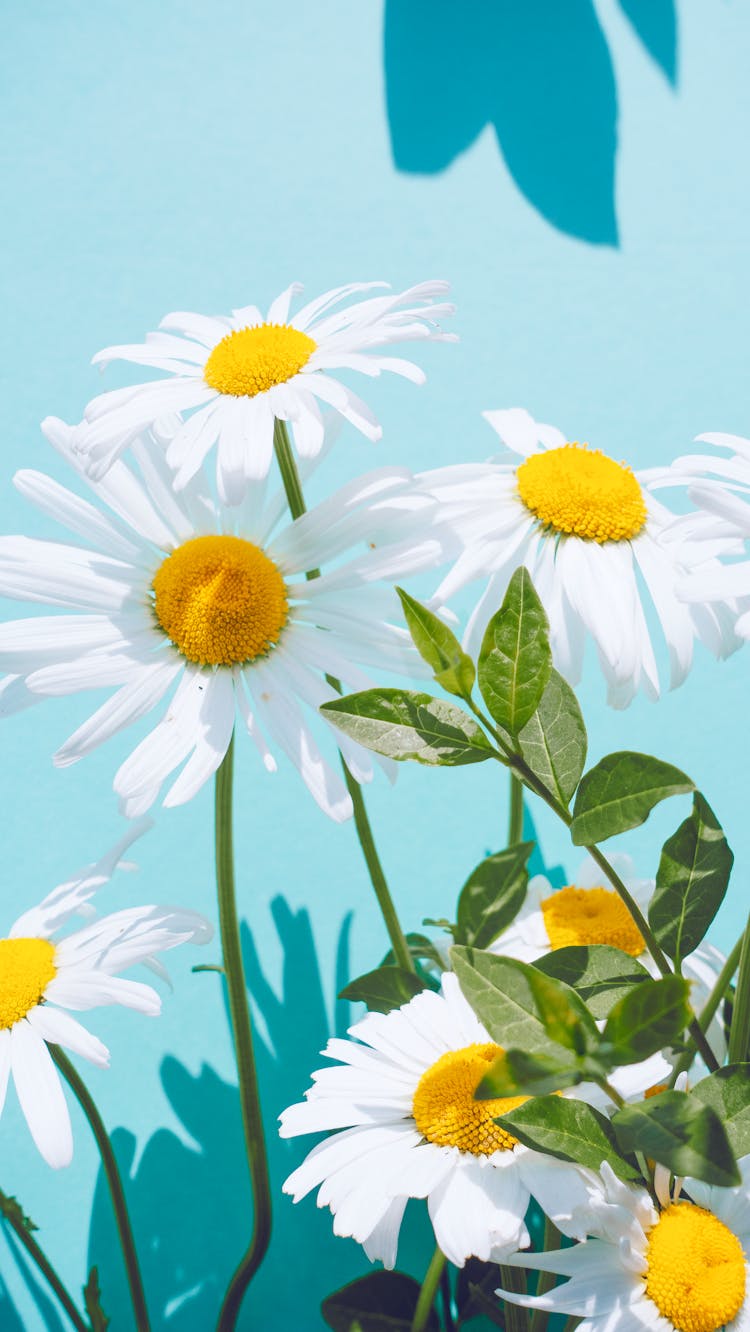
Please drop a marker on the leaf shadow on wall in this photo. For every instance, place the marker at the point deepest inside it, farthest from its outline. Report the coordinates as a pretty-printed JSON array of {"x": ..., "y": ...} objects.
[
  {"x": 190, "y": 1204},
  {"x": 540, "y": 73}
]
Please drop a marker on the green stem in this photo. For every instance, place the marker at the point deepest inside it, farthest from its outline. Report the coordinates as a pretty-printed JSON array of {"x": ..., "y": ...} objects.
[
  {"x": 515, "y": 819},
  {"x": 13, "y": 1214},
  {"x": 428, "y": 1291},
  {"x": 117, "y": 1192},
  {"x": 547, "y": 1280},
  {"x": 516, "y": 1316},
  {"x": 242, "y": 1036},
  {"x": 718, "y": 992},
  {"x": 739, "y": 1032},
  {"x": 611, "y": 1092},
  {"x": 296, "y": 501}
]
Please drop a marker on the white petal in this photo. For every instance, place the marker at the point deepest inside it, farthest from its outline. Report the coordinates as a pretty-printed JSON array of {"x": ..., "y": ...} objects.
[{"x": 41, "y": 1096}]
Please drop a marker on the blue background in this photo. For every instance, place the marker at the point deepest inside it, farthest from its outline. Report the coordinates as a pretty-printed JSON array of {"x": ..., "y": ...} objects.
[{"x": 579, "y": 172}]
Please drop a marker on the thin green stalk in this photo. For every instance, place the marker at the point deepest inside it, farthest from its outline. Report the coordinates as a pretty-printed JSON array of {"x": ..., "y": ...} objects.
[
  {"x": 516, "y": 1315},
  {"x": 428, "y": 1291},
  {"x": 547, "y": 1280},
  {"x": 515, "y": 818},
  {"x": 739, "y": 1032},
  {"x": 611, "y": 1092},
  {"x": 296, "y": 501},
  {"x": 708, "y": 1010},
  {"x": 13, "y": 1214},
  {"x": 117, "y": 1192},
  {"x": 242, "y": 1036}
]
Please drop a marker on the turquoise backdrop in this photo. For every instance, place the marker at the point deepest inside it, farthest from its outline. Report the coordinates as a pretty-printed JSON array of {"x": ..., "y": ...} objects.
[{"x": 579, "y": 172}]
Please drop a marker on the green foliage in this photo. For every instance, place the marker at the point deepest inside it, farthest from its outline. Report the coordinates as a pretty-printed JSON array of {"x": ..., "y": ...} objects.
[
  {"x": 679, "y": 1132},
  {"x": 12, "y": 1211},
  {"x": 569, "y": 1130},
  {"x": 91, "y": 1301},
  {"x": 476, "y": 1283},
  {"x": 599, "y": 974},
  {"x": 439, "y": 647},
  {"x": 620, "y": 792},
  {"x": 378, "y": 1302},
  {"x": 649, "y": 1017},
  {"x": 384, "y": 988},
  {"x": 553, "y": 742},
  {"x": 518, "y": 1072},
  {"x": 492, "y": 896},
  {"x": 421, "y": 948},
  {"x": 728, "y": 1093},
  {"x": 404, "y": 725},
  {"x": 515, "y": 659},
  {"x": 691, "y": 881}
]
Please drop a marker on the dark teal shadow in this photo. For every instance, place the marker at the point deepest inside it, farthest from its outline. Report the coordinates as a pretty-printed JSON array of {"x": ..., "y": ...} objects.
[{"x": 540, "y": 73}]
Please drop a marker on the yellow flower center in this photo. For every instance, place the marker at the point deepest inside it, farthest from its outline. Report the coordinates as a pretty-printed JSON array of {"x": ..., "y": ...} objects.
[
  {"x": 252, "y": 360},
  {"x": 696, "y": 1269},
  {"x": 26, "y": 968},
  {"x": 221, "y": 600},
  {"x": 590, "y": 916},
  {"x": 581, "y": 491},
  {"x": 444, "y": 1108}
]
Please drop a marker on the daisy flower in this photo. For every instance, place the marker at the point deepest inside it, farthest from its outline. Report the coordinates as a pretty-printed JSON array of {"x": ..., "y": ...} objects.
[
  {"x": 595, "y": 539},
  {"x": 180, "y": 592},
  {"x": 42, "y": 975},
  {"x": 401, "y": 1102},
  {"x": 236, "y": 374},
  {"x": 720, "y": 487},
  {"x": 590, "y": 911},
  {"x": 678, "y": 1267}
]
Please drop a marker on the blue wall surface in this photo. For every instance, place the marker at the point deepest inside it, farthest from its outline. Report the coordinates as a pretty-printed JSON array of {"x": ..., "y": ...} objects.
[{"x": 578, "y": 170}]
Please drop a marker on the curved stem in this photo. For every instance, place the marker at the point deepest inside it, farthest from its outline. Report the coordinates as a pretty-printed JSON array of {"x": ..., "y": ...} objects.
[
  {"x": 739, "y": 1032},
  {"x": 296, "y": 501},
  {"x": 114, "y": 1181},
  {"x": 428, "y": 1291},
  {"x": 515, "y": 818},
  {"x": 242, "y": 1037},
  {"x": 13, "y": 1214}
]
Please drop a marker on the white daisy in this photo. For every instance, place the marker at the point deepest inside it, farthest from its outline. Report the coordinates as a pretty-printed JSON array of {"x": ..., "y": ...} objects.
[
  {"x": 402, "y": 1101},
  {"x": 181, "y": 591},
  {"x": 678, "y": 1267},
  {"x": 43, "y": 975},
  {"x": 236, "y": 374},
  {"x": 594, "y": 537},
  {"x": 720, "y": 487},
  {"x": 590, "y": 911}
]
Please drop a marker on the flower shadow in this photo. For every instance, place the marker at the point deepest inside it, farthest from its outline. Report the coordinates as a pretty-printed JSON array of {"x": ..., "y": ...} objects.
[{"x": 540, "y": 73}]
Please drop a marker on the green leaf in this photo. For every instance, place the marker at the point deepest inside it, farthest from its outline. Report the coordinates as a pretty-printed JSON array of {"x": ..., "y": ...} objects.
[
  {"x": 476, "y": 1283},
  {"x": 599, "y": 974},
  {"x": 493, "y": 895},
  {"x": 553, "y": 742},
  {"x": 679, "y": 1132},
  {"x": 405, "y": 725},
  {"x": 728, "y": 1093},
  {"x": 515, "y": 658},
  {"x": 13, "y": 1212},
  {"x": 520, "y": 1007},
  {"x": 91, "y": 1300},
  {"x": 569, "y": 1130},
  {"x": 649, "y": 1017},
  {"x": 378, "y": 1302},
  {"x": 439, "y": 647},
  {"x": 691, "y": 881},
  {"x": 620, "y": 792},
  {"x": 421, "y": 948},
  {"x": 384, "y": 989},
  {"x": 517, "y": 1073}
]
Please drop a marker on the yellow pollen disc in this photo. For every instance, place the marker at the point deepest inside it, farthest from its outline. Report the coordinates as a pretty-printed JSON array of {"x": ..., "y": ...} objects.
[
  {"x": 444, "y": 1108},
  {"x": 590, "y": 916},
  {"x": 580, "y": 491},
  {"x": 26, "y": 968},
  {"x": 696, "y": 1269},
  {"x": 252, "y": 360},
  {"x": 220, "y": 600}
]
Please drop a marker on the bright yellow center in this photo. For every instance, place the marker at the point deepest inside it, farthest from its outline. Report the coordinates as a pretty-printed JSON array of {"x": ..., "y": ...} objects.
[
  {"x": 221, "y": 600},
  {"x": 590, "y": 916},
  {"x": 444, "y": 1108},
  {"x": 696, "y": 1269},
  {"x": 26, "y": 968},
  {"x": 252, "y": 360},
  {"x": 581, "y": 491}
]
